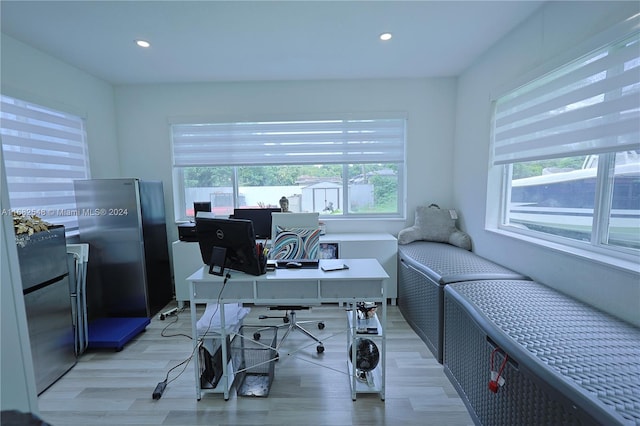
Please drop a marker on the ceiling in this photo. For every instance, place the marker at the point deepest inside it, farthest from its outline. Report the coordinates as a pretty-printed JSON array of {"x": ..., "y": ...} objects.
[{"x": 204, "y": 41}]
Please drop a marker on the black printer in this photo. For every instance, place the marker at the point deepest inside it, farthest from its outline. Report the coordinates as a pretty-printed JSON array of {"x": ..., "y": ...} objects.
[{"x": 187, "y": 232}]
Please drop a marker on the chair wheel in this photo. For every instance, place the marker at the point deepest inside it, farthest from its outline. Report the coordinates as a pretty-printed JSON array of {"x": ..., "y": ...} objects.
[
  {"x": 256, "y": 336},
  {"x": 277, "y": 357},
  {"x": 321, "y": 325},
  {"x": 320, "y": 349}
]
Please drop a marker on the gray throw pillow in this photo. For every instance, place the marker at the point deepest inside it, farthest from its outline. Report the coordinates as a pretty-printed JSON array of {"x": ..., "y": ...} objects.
[{"x": 435, "y": 224}]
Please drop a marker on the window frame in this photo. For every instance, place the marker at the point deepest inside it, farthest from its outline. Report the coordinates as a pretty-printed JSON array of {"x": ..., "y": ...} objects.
[
  {"x": 42, "y": 129},
  {"x": 179, "y": 188},
  {"x": 500, "y": 175},
  {"x": 597, "y": 243}
]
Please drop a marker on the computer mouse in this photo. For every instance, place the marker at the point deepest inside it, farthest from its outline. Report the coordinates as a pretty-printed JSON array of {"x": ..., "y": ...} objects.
[{"x": 294, "y": 265}]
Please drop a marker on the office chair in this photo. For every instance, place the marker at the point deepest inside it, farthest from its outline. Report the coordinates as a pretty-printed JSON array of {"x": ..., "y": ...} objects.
[{"x": 296, "y": 236}]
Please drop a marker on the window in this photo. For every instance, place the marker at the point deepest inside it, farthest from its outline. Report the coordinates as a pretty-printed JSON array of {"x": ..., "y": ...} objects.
[
  {"x": 44, "y": 151},
  {"x": 339, "y": 168},
  {"x": 569, "y": 146}
]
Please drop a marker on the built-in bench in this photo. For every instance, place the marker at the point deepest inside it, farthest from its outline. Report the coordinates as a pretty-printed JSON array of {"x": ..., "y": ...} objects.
[
  {"x": 567, "y": 362},
  {"x": 424, "y": 269}
]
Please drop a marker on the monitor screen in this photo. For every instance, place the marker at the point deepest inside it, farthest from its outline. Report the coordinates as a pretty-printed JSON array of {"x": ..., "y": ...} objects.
[
  {"x": 201, "y": 206},
  {"x": 261, "y": 219},
  {"x": 230, "y": 242}
]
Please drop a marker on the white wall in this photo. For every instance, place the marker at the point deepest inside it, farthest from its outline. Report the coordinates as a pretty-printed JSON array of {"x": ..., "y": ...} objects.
[
  {"x": 143, "y": 114},
  {"x": 34, "y": 76},
  {"x": 553, "y": 30}
]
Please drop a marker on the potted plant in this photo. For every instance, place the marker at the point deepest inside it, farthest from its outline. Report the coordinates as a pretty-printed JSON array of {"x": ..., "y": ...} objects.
[{"x": 25, "y": 226}]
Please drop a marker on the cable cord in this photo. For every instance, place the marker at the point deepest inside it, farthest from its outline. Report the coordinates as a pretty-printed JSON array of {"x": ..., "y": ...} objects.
[
  {"x": 157, "y": 393},
  {"x": 175, "y": 320}
]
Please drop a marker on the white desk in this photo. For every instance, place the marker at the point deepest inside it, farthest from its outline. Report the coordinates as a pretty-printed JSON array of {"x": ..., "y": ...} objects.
[
  {"x": 363, "y": 281},
  {"x": 380, "y": 246}
]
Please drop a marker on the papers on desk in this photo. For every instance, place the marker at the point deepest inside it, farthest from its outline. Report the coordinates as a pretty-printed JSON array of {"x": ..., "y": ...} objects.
[{"x": 328, "y": 266}]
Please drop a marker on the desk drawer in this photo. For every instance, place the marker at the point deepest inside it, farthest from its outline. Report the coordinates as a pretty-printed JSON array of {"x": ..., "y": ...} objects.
[
  {"x": 287, "y": 289},
  {"x": 232, "y": 290},
  {"x": 350, "y": 289}
]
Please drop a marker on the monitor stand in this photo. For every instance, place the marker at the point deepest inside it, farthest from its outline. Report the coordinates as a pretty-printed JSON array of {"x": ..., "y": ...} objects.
[{"x": 216, "y": 264}]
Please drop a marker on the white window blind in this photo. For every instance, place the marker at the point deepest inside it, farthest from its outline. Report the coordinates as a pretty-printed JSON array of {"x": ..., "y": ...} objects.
[
  {"x": 589, "y": 106},
  {"x": 289, "y": 142},
  {"x": 44, "y": 152}
]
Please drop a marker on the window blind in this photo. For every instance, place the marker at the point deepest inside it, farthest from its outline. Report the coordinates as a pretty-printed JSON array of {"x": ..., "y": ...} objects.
[
  {"x": 44, "y": 152},
  {"x": 589, "y": 106},
  {"x": 289, "y": 142}
]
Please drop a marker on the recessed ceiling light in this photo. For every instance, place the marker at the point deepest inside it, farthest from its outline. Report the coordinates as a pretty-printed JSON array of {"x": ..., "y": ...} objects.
[
  {"x": 385, "y": 36},
  {"x": 143, "y": 43}
]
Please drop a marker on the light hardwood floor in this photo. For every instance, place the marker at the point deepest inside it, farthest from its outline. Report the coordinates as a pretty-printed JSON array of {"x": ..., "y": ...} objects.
[{"x": 115, "y": 388}]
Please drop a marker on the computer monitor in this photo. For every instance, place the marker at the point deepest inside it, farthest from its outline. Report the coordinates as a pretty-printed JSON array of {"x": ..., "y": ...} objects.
[
  {"x": 261, "y": 219},
  {"x": 229, "y": 244},
  {"x": 201, "y": 206},
  {"x": 290, "y": 220}
]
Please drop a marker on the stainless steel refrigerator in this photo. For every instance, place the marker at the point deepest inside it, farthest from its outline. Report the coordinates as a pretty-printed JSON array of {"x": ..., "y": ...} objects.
[
  {"x": 45, "y": 283},
  {"x": 128, "y": 275}
]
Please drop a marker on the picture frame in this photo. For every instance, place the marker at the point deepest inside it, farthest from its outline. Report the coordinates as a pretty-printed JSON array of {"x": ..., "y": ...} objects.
[{"x": 329, "y": 251}]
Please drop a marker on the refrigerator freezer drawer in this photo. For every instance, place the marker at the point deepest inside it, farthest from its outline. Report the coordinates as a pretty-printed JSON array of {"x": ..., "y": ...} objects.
[
  {"x": 50, "y": 332},
  {"x": 42, "y": 256}
]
